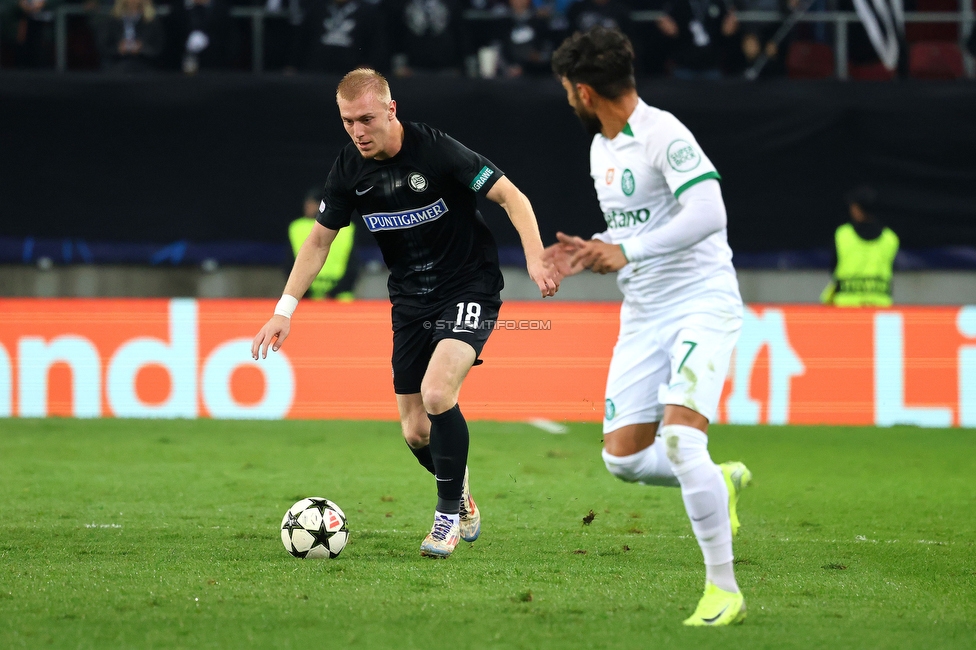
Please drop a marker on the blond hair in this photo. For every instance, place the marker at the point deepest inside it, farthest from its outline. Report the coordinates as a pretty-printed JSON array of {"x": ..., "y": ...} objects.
[
  {"x": 148, "y": 10},
  {"x": 361, "y": 81}
]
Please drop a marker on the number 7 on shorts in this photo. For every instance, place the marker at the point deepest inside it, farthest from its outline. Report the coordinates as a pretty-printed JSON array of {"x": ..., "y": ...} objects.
[{"x": 691, "y": 348}]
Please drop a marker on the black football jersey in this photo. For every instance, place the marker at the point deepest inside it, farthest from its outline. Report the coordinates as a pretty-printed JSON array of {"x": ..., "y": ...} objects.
[{"x": 421, "y": 207}]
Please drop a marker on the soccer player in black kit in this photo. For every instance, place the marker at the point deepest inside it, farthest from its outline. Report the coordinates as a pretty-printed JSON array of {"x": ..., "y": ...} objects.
[{"x": 415, "y": 189}]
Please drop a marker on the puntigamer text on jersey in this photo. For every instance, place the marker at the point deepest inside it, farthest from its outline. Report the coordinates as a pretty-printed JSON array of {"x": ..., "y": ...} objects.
[{"x": 399, "y": 220}]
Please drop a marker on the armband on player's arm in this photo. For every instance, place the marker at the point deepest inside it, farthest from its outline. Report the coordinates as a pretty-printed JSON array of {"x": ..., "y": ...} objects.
[{"x": 702, "y": 215}]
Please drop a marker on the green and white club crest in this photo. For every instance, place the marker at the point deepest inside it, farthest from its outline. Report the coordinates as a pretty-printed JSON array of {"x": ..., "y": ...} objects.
[
  {"x": 627, "y": 183},
  {"x": 609, "y": 410}
]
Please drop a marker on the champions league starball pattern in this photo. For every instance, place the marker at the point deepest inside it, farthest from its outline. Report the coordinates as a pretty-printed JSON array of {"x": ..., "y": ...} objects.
[{"x": 314, "y": 528}]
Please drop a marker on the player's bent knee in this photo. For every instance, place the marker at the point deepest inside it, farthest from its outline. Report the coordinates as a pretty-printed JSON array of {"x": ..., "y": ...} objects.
[
  {"x": 438, "y": 399},
  {"x": 416, "y": 430},
  {"x": 416, "y": 438},
  {"x": 626, "y": 468}
]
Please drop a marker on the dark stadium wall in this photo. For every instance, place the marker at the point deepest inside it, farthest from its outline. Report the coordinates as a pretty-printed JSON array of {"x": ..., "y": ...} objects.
[{"x": 166, "y": 158}]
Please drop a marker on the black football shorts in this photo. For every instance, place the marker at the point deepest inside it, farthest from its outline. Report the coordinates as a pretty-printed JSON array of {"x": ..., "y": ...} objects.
[{"x": 468, "y": 317}]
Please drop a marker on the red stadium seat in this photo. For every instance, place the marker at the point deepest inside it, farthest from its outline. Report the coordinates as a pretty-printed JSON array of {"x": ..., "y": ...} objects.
[
  {"x": 935, "y": 60},
  {"x": 947, "y": 31},
  {"x": 810, "y": 60},
  {"x": 870, "y": 72},
  {"x": 82, "y": 50}
]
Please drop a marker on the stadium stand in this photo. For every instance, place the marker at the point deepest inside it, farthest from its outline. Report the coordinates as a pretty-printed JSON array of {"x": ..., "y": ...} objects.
[
  {"x": 274, "y": 35},
  {"x": 947, "y": 31},
  {"x": 810, "y": 60},
  {"x": 870, "y": 72},
  {"x": 935, "y": 60}
]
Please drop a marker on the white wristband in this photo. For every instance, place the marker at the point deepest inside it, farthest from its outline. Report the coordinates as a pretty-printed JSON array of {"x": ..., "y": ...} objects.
[{"x": 286, "y": 306}]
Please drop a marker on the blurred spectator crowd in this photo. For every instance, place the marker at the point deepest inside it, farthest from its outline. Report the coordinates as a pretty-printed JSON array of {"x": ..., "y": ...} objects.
[{"x": 693, "y": 39}]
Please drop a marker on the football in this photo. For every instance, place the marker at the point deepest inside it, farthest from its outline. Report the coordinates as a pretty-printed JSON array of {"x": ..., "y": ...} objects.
[{"x": 314, "y": 528}]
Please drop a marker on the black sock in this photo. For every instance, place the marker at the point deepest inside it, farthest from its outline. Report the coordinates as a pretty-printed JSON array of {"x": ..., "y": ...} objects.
[
  {"x": 424, "y": 457},
  {"x": 449, "y": 449}
]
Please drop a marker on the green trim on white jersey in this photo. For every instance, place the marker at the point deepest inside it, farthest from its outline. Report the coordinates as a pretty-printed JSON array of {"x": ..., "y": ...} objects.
[
  {"x": 704, "y": 177},
  {"x": 623, "y": 250}
]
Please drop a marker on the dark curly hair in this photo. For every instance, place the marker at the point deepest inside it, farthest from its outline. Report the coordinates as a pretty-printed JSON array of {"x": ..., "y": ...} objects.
[{"x": 601, "y": 58}]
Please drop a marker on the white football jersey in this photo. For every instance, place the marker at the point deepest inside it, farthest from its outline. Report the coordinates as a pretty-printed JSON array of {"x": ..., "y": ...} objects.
[{"x": 638, "y": 176}]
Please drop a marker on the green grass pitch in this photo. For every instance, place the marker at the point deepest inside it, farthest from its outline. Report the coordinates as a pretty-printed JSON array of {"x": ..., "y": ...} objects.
[{"x": 139, "y": 534}]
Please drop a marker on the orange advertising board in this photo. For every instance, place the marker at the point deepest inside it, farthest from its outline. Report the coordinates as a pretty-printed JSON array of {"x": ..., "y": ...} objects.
[{"x": 191, "y": 358}]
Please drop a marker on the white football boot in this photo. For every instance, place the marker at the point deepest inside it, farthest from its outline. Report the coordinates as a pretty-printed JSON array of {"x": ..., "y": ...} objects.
[
  {"x": 470, "y": 515},
  {"x": 442, "y": 539}
]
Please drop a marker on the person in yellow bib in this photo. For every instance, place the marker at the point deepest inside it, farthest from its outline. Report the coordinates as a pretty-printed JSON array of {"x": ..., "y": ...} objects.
[
  {"x": 866, "y": 251},
  {"x": 337, "y": 278}
]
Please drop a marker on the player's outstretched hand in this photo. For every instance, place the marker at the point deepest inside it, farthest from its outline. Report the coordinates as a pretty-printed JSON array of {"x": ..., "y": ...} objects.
[
  {"x": 275, "y": 330},
  {"x": 559, "y": 254},
  {"x": 544, "y": 274},
  {"x": 572, "y": 243},
  {"x": 599, "y": 257}
]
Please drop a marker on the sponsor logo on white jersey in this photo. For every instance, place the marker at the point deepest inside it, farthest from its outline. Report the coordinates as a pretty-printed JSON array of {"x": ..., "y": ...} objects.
[{"x": 682, "y": 156}]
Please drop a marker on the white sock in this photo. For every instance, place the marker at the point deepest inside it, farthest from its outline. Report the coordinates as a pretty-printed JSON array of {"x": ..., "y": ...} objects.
[
  {"x": 649, "y": 466},
  {"x": 722, "y": 576},
  {"x": 706, "y": 500}
]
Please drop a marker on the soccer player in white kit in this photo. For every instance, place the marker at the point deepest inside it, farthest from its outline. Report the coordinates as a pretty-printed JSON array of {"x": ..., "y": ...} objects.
[{"x": 681, "y": 314}]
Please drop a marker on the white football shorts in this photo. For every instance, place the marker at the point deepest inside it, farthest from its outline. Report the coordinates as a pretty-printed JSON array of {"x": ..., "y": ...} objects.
[{"x": 679, "y": 356}]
